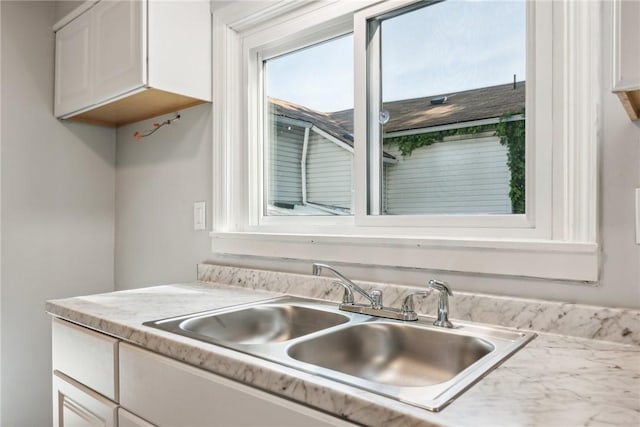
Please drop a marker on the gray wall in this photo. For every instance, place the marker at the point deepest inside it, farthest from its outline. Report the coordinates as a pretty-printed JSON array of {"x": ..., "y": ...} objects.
[
  {"x": 158, "y": 179},
  {"x": 58, "y": 189},
  {"x": 62, "y": 8}
]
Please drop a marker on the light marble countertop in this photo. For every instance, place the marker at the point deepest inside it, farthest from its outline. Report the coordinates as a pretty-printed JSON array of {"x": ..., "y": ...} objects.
[{"x": 555, "y": 380}]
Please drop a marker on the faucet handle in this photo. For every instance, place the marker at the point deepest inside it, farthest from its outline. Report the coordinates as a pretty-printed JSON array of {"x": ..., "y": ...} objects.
[
  {"x": 347, "y": 296},
  {"x": 440, "y": 286},
  {"x": 407, "y": 304},
  {"x": 376, "y": 299}
]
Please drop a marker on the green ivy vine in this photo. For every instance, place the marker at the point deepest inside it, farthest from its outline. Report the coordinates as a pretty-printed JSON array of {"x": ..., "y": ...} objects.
[
  {"x": 408, "y": 143},
  {"x": 511, "y": 134}
]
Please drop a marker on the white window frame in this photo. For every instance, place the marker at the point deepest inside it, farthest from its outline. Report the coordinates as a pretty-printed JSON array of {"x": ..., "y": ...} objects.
[
  {"x": 557, "y": 238},
  {"x": 536, "y": 223}
]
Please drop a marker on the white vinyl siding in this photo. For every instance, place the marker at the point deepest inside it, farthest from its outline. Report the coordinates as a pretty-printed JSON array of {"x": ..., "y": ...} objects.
[
  {"x": 468, "y": 176},
  {"x": 286, "y": 152},
  {"x": 329, "y": 173}
]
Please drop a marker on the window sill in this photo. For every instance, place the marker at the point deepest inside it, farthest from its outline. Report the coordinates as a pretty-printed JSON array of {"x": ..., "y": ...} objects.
[{"x": 523, "y": 258}]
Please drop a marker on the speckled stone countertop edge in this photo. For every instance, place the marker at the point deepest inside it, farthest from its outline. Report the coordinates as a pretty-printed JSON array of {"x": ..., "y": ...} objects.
[{"x": 592, "y": 382}]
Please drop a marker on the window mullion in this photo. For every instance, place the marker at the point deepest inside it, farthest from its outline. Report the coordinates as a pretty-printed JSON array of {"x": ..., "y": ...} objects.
[
  {"x": 374, "y": 137},
  {"x": 360, "y": 131}
]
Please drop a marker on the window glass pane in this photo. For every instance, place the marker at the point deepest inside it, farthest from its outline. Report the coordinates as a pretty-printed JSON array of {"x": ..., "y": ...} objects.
[
  {"x": 452, "y": 108},
  {"x": 309, "y": 130}
]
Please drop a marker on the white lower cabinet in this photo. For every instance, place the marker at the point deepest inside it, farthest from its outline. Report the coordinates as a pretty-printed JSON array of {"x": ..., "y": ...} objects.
[
  {"x": 171, "y": 393},
  {"x": 88, "y": 357},
  {"x": 99, "y": 381},
  {"x": 75, "y": 405}
]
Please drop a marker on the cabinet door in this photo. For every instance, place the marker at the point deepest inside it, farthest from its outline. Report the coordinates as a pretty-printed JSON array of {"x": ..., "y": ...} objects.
[
  {"x": 169, "y": 393},
  {"x": 73, "y": 66},
  {"x": 626, "y": 53},
  {"x": 77, "y": 406},
  {"x": 119, "y": 47}
]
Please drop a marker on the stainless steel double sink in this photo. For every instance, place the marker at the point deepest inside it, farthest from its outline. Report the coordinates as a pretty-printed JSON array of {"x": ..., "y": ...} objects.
[{"x": 413, "y": 362}]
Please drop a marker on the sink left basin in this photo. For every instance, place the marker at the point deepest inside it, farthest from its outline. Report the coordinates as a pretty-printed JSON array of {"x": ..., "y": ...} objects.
[{"x": 265, "y": 322}]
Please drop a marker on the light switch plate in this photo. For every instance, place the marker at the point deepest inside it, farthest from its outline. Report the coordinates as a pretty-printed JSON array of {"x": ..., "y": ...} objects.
[
  {"x": 638, "y": 216},
  {"x": 199, "y": 216}
]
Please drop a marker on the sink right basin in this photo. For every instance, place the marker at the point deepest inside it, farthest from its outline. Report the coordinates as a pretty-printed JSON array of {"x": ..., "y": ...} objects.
[{"x": 394, "y": 354}]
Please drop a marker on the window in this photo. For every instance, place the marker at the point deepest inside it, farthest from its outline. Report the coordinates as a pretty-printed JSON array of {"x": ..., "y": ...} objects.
[
  {"x": 450, "y": 109},
  {"x": 378, "y": 182},
  {"x": 308, "y": 144},
  {"x": 450, "y": 129},
  {"x": 443, "y": 99}
]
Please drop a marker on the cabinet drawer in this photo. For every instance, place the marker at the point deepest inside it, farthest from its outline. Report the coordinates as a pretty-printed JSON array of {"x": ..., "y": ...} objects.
[
  {"x": 170, "y": 393},
  {"x": 86, "y": 356}
]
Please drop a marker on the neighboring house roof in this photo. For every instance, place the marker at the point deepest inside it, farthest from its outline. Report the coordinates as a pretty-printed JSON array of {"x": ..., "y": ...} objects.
[
  {"x": 321, "y": 120},
  {"x": 417, "y": 113},
  {"x": 466, "y": 106}
]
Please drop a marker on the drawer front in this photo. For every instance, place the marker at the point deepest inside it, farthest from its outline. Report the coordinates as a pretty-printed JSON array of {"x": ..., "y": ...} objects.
[
  {"x": 170, "y": 393},
  {"x": 86, "y": 356}
]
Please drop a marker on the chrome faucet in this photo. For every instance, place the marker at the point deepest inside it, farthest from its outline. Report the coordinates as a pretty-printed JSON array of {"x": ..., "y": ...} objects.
[
  {"x": 375, "y": 308},
  {"x": 375, "y": 298}
]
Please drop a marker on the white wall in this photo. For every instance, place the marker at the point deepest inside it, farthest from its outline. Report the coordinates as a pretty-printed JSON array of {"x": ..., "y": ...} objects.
[
  {"x": 158, "y": 179},
  {"x": 58, "y": 185},
  {"x": 620, "y": 174}
]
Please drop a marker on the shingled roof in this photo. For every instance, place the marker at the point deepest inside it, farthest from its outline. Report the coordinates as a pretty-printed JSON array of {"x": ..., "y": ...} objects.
[
  {"x": 417, "y": 113},
  {"x": 279, "y": 107},
  {"x": 466, "y": 106}
]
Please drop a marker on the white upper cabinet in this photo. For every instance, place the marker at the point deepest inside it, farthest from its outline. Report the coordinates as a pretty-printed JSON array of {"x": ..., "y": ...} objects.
[
  {"x": 626, "y": 55},
  {"x": 119, "y": 62},
  {"x": 73, "y": 65},
  {"x": 119, "y": 43}
]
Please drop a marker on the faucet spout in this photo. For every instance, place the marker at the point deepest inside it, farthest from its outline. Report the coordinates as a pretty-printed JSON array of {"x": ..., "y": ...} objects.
[{"x": 348, "y": 284}]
